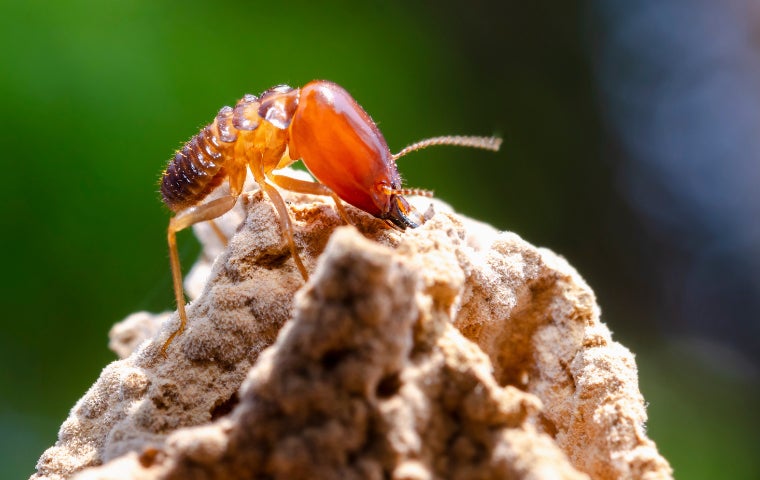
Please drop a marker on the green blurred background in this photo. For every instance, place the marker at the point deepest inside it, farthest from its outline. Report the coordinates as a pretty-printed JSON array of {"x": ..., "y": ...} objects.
[{"x": 96, "y": 96}]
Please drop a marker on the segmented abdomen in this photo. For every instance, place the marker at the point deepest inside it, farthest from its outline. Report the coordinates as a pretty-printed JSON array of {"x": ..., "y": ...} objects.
[{"x": 198, "y": 168}]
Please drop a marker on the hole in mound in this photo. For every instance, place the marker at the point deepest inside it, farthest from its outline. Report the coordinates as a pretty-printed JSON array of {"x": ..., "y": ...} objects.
[
  {"x": 389, "y": 386},
  {"x": 332, "y": 358},
  {"x": 224, "y": 407}
]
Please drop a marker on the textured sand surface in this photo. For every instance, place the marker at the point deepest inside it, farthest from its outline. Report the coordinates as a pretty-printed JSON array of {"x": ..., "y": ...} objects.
[{"x": 449, "y": 351}]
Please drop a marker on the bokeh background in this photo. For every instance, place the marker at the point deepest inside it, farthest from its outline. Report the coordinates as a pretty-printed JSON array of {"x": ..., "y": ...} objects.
[{"x": 631, "y": 143}]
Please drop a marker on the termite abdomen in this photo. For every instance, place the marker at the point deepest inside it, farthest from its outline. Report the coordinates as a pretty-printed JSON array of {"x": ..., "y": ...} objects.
[{"x": 194, "y": 172}]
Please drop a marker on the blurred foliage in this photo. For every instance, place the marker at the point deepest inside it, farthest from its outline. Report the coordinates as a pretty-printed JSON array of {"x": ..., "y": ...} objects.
[{"x": 97, "y": 95}]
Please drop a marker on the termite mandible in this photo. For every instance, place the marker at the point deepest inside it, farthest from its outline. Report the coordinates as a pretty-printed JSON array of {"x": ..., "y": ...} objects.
[{"x": 319, "y": 124}]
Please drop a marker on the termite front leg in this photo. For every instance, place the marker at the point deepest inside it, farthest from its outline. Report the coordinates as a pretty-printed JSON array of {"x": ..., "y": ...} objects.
[
  {"x": 312, "y": 188},
  {"x": 180, "y": 221}
]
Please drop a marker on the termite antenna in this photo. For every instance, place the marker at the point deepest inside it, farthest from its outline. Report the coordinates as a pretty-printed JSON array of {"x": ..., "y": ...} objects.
[
  {"x": 486, "y": 143},
  {"x": 420, "y": 192}
]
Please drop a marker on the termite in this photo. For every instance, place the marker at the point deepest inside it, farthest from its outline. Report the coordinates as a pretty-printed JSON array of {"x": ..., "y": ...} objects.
[{"x": 319, "y": 124}]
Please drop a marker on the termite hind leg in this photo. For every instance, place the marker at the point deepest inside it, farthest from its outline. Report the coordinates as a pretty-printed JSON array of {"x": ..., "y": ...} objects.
[
  {"x": 312, "y": 188},
  {"x": 179, "y": 293},
  {"x": 285, "y": 224},
  {"x": 179, "y": 222}
]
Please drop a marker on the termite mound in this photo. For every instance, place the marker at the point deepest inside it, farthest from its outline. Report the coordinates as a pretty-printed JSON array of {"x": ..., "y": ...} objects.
[{"x": 448, "y": 351}]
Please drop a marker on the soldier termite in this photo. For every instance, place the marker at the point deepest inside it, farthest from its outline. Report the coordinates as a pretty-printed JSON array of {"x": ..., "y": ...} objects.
[{"x": 319, "y": 124}]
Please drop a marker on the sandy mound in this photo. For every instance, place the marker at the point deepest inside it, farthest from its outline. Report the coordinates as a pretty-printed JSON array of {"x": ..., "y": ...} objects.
[{"x": 449, "y": 351}]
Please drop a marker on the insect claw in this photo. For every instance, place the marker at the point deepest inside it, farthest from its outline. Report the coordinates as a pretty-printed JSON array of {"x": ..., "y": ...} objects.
[{"x": 402, "y": 214}]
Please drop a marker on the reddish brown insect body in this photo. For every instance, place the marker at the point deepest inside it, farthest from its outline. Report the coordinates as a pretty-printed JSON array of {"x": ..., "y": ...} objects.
[{"x": 320, "y": 124}]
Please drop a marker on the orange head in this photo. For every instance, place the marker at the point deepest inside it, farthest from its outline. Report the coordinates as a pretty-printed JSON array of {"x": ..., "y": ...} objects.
[{"x": 343, "y": 148}]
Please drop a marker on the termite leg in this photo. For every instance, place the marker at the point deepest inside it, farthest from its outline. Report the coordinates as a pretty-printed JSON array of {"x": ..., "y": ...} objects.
[
  {"x": 180, "y": 221},
  {"x": 313, "y": 188},
  {"x": 285, "y": 224}
]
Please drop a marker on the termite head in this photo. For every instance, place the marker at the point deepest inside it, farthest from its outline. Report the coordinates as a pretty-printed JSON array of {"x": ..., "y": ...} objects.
[{"x": 343, "y": 148}]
